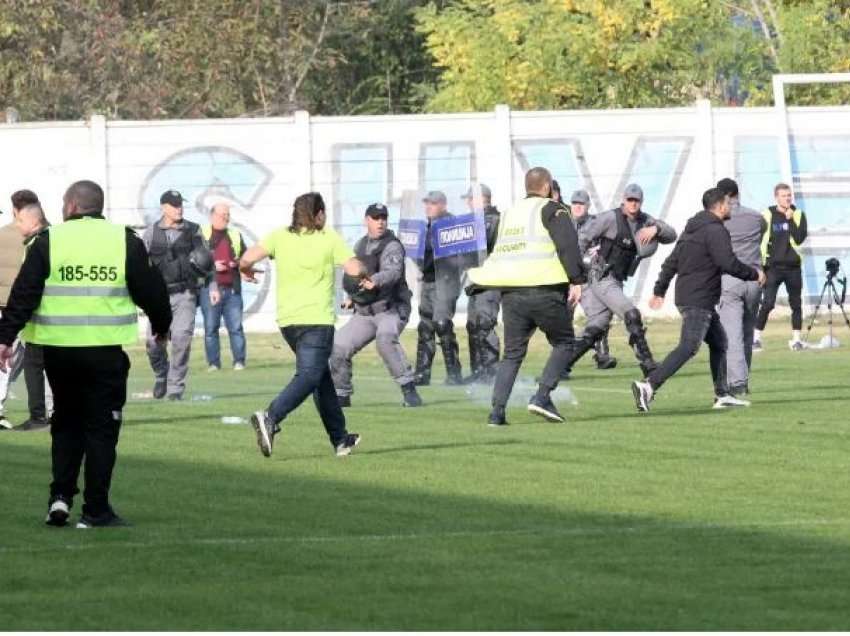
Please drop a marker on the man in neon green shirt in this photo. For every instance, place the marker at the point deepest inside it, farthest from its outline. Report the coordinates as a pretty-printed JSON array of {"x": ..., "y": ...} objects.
[{"x": 306, "y": 254}]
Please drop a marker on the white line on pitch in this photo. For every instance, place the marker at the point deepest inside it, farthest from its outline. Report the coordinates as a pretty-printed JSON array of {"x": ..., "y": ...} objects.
[{"x": 579, "y": 531}]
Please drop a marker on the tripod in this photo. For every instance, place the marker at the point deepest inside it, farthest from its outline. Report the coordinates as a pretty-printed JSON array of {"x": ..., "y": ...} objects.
[{"x": 831, "y": 296}]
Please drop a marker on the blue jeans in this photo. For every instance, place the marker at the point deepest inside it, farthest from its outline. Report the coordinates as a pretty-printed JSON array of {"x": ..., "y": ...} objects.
[
  {"x": 312, "y": 345},
  {"x": 230, "y": 306}
]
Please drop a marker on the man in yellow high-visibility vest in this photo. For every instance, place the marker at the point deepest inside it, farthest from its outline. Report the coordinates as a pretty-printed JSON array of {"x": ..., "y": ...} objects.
[
  {"x": 536, "y": 264},
  {"x": 76, "y": 295},
  {"x": 781, "y": 256}
]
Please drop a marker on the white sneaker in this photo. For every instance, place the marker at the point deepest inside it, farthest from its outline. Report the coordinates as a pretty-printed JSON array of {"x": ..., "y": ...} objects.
[
  {"x": 729, "y": 401},
  {"x": 212, "y": 368},
  {"x": 5, "y": 424},
  {"x": 57, "y": 513},
  {"x": 643, "y": 395},
  {"x": 238, "y": 366},
  {"x": 796, "y": 345}
]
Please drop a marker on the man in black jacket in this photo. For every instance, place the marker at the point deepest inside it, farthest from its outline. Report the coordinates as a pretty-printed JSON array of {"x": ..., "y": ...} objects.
[
  {"x": 701, "y": 257},
  {"x": 781, "y": 257},
  {"x": 85, "y": 363}
]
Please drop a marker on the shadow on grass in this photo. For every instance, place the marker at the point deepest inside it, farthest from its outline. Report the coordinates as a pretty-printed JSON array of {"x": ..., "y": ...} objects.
[{"x": 262, "y": 548}]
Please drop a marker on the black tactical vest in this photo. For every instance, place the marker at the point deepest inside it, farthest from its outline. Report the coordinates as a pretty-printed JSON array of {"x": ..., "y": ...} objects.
[
  {"x": 372, "y": 263},
  {"x": 173, "y": 260},
  {"x": 621, "y": 253}
]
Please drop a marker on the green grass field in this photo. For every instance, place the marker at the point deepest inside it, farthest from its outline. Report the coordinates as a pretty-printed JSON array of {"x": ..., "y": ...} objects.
[{"x": 682, "y": 519}]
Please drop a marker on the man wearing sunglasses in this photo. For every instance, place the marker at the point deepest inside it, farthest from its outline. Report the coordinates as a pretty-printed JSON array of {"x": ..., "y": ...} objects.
[{"x": 616, "y": 242}]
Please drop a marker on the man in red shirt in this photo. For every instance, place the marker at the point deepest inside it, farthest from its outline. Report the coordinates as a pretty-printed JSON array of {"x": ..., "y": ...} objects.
[{"x": 227, "y": 245}]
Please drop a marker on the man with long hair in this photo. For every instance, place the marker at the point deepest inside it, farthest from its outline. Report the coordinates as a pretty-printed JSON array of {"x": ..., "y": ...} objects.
[{"x": 306, "y": 254}]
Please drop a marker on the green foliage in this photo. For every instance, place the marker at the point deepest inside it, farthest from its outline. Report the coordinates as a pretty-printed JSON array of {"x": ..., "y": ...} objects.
[
  {"x": 549, "y": 54},
  {"x": 212, "y": 58}
]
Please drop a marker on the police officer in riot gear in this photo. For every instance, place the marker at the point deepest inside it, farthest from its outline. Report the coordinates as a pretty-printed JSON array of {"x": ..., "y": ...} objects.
[
  {"x": 625, "y": 236},
  {"x": 579, "y": 204},
  {"x": 439, "y": 291},
  {"x": 482, "y": 309},
  {"x": 381, "y": 304},
  {"x": 178, "y": 250}
]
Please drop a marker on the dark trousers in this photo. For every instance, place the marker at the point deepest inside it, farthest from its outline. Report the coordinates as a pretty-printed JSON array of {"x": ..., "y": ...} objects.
[
  {"x": 90, "y": 389},
  {"x": 698, "y": 325},
  {"x": 792, "y": 278},
  {"x": 312, "y": 345},
  {"x": 523, "y": 312},
  {"x": 34, "y": 378}
]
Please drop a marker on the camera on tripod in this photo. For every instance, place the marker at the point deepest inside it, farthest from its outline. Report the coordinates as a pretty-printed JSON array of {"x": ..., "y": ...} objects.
[{"x": 832, "y": 267}]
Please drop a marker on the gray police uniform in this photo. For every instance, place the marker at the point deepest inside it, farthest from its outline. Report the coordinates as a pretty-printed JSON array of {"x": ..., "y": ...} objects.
[
  {"x": 602, "y": 356},
  {"x": 482, "y": 314},
  {"x": 382, "y": 319},
  {"x": 169, "y": 249},
  {"x": 739, "y": 299},
  {"x": 619, "y": 253}
]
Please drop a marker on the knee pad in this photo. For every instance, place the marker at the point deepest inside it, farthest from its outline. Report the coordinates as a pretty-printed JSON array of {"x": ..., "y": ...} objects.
[
  {"x": 425, "y": 329},
  {"x": 593, "y": 333},
  {"x": 444, "y": 327},
  {"x": 633, "y": 322}
]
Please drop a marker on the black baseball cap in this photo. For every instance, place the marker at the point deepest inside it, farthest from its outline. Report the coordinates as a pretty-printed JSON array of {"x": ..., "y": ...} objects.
[
  {"x": 172, "y": 197},
  {"x": 377, "y": 211}
]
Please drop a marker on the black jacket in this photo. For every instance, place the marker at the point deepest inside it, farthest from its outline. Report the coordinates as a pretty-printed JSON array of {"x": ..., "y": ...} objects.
[
  {"x": 702, "y": 255},
  {"x": 144, "y": 282},
  {"x": 779, "y": 251}
]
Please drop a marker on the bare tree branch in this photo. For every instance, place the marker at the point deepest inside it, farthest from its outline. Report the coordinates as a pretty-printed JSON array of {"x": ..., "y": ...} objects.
[{"x": 765, "y": 30}]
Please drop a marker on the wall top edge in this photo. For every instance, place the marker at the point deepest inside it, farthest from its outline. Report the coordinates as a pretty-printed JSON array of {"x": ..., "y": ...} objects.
[{"x": 433, "y": 117}]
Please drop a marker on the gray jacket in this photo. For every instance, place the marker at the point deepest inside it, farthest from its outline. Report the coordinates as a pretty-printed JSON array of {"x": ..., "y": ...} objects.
[
  {"x": 746, "y": 227},
  {"x": 604, "y": 225}
]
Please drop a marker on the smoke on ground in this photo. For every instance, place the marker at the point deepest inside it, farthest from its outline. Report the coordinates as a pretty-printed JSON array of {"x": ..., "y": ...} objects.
[{"x": 523, "y": 390}]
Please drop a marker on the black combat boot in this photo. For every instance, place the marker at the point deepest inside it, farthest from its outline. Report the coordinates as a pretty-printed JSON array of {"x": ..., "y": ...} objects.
[
  {"x": 425, "y": 351},
  {"x": 603, "y": 357},
  {"x": 638, "y": 343}
]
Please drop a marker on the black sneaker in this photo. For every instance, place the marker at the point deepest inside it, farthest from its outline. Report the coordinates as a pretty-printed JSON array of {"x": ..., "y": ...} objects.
[
  {"x": 347, "y": 445},
  {"x": 603, "y": 364},
  {"x": 34, "y": 424},
  {"x": 175, "y": 397},
  {"x": 411, "y": 396},
  {"x": 58, "y": 511},
  {"x": 265, "y": 430},
  {"x": 545, "y": 408},
  {"x": 160, "y": 388},
  {"x": 344, "y": 401},
  {"x": 497, "y": 417},
  {"x": 107, "y": 520},
  {"x": 422, "y": 379}
]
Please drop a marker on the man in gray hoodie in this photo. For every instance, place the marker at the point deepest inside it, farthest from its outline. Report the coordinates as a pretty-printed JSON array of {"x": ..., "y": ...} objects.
[{"x": 739, "y": 299}]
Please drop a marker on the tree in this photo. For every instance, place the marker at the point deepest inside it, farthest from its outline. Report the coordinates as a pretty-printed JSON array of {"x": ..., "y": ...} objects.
[{"x": 545, "y": 54}]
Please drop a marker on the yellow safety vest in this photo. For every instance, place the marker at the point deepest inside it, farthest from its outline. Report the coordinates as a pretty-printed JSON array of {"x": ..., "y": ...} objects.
[
  {"x": 767, "y": 215},
  {"x": 85, "y": 302},
  {"x": 524, "y": 254},
  {"x": 235, "y": 237}
]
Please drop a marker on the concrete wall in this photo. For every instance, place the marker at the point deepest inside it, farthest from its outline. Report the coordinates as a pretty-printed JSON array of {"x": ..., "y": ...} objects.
[{"x": 260, "y": 165}]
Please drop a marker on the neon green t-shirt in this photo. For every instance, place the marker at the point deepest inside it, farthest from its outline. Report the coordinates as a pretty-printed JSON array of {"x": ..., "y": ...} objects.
[{"x": 304, "y": 266}]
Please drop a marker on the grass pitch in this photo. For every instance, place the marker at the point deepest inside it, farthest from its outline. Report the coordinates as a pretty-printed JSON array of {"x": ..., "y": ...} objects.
[{"x": 682, "y": 519}]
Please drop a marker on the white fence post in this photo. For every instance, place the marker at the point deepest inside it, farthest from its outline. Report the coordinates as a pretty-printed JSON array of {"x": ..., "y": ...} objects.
[
  {"x": 705, "y": 136},
  {"x": 505, "y": 151},
  {"x": 100, "y": 156}
]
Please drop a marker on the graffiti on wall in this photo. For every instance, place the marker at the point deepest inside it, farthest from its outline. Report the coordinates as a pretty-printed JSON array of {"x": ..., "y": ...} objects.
[{"x": 207, "y": 175}]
